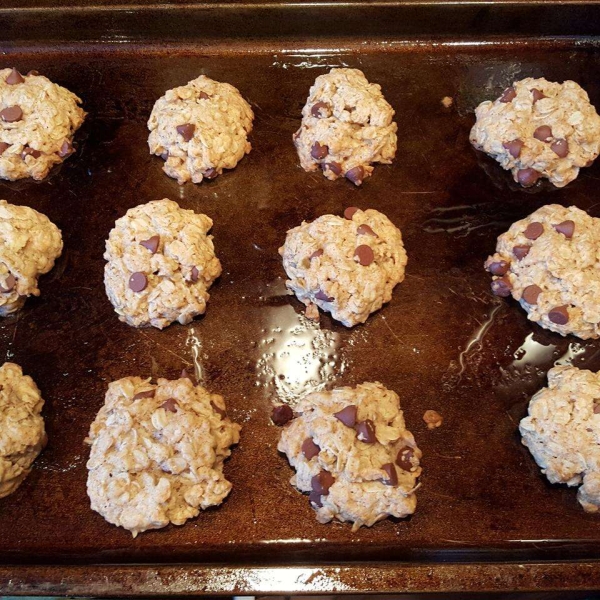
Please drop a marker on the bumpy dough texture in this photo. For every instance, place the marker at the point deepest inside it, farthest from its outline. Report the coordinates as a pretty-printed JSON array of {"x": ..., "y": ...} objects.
[
  {"x": 158, "y": 460},
  {"x": 22, "y": 433},
  {"x": 359, "y": 494},
  {"x": 178, "y": 274},
  {"x": 51, "y": 116},
  {"x": 565, "y": 109},
  {"x": 566, "y": 270},
  {"x": 29, "y": 245},
  {"x": 352, "y": 120},
  {"x": 221, "y": 121},
  {"x": 336, "y": 281},
  {"x": 562, "y": 431}
]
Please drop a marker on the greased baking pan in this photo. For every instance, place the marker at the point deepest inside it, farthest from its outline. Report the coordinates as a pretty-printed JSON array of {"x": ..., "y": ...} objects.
[{"x": 486, "y": 518}]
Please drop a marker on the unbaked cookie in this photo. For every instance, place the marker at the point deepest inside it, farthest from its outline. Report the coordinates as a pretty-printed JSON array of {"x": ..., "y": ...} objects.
[
  {"x": 347, "y": 267},
  {"x": 199, "y": 129},
  {"x": 346, "y": 127},
  {"x": 539, "y": 128},
  {"x": 550, "y": 263},
  {"x": 353, "y": 454},
  {"x": 562, "y": 431},
  {"x": 157, "y": 453},
  {"x": 29, "y": 245},
  {"x": 22, "y": 432},
  {"x": 161, "y": 263},
  {"x": 38, "y": 120}
]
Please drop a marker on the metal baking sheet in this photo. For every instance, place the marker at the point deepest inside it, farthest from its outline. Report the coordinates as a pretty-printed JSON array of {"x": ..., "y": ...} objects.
[{"x": 443, "y": 343}]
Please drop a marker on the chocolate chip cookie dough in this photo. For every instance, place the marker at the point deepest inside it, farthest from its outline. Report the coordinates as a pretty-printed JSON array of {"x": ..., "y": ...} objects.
[
  {"x": 38, "y": 120},
  {"x": 346, "y": 127},
  {"x": 562, "y": 431},
  {"x": 199, "y": 129},
  {"x": 346, "y": 266},
  {"x": 550, "y": 263},
  {"x": 29, "y": 245},
  {"x": 161, "y": 263},
  {"x": 22, "y": 432},
  {"x": 353, "y": 454},
  {"x": 538, "y": 128},
  {"x": 157, "y": 453}
]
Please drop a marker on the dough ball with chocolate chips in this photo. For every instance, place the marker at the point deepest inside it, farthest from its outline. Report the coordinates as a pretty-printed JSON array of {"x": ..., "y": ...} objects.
[
  {"x": 346, "y": 127},
  {"x": 38, "y": 120},
  {"x": 157, "y": 453},
  {"x": 346, "y": 266},
  {"x": 353, "y": 454},
  {"x": 161, "y": 263},
  {"x": 538, "y": 128},
  {"x": 29, "y": 245},
  {"x": 550, "y": 263},
  {"x": 199, "y": 129},
  {"x": 22, "y": 432},
  {"x": 562, "y": 431}
]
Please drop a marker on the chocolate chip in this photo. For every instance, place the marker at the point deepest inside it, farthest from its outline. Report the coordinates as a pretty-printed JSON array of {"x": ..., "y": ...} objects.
[
  {"x": 560, "y": 148},
  {"x": 501, "y": 287},
  {"x": 9, "y": 284},
  {"x": 403, "y": 460},
  {"x": 366, "y": 431},
  {"x": 508, "y": 95},
  {"x": 151, "y": 243},
  {"x": 322, "y": 482},
  {"x": 164, "y": 155},
  {"x": 365, "y": 230},
  {"x": 146, "y": 394},
  {"x": 350, "y": 212},
  {"x": 218, "y": 409},
  {"x": 186, "y": 131},
  {"x": 498, "y": 268},
  {"x": 138, "y": 282},
  {"x": 320, "y": 110},
  {"x": 514, "y": 148},
  {"x": 392, "y": 475},
  {"x": 33, "y": 73},
  {"x": 194, "y": 274},
  {"x": 566, "y": 228},
  {"x": 559, "y": 315},
  {"x": 318, "y": 152},
  {"x": 528, "y": 177},
  {"x": 543, "y": 133},
  {"x": 347, "y": 415},
  {"x": 537, "y": 95},
  {"x": 282, "y": 414},
  {"x": 315, "y": 499},
  {"x": 170, "y": 405},
  {"x": 310, "y": 449},
  {"x": 334, "y": 167},
  {"x": 356, "y": 175},
  {"x": 533, "y": 231},
  {"x": 210, "y": 174},
  {"x": 4, "y": 147},
  {"x": 203, "y": 96},
  {"x": 596, "y": 409},
  {"x": 14, "y": 77},
  {"x": 27, "y": 151},
  {"x": 316, "y": 254},
  {"x": 321, "y": 295},
  {"x": 66, "y": 149},
  {"x": 521, "y": 251},
  {"x": 11, "y": 114},
  {"x": 365, "y": 255},
  {"x": 531, "y": 293}
]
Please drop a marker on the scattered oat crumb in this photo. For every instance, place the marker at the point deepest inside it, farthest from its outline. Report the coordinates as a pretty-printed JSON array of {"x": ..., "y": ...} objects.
[
  {"x": 312, "y": 312},
  {"x": 433, "y": 419},
  {"x": 447, "y": 101}
]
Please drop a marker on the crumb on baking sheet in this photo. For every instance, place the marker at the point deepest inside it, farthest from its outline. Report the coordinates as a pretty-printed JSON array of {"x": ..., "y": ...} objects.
[
  {"x": 447, "y": 101},
  {"x": 433, "y": 419}
]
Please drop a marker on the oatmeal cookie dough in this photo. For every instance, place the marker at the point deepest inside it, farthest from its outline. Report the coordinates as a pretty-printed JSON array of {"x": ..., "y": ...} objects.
[
  {"x": 346, "y": 127},
  {"x": 157, "y": 453},
  {"x": 38, "y": 120},
  {"x": 353, "y": 454},
  {"x": 346, "y": 266},
  {"x": 538, "y": 128},
  {"x": 22, "y": 432},
  {"x": 550, "y": 263},
  {"x": 29, "y": 245},
  {"x": 562, "y": 431},
  {"x": 199, "y": 129},
  {"x": 161, "y": 263}
]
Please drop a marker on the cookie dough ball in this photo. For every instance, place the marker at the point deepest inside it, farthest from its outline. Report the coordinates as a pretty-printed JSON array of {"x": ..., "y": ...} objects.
[
  {"x": 29, "y": 245},
  {"x": 161, "y": 263},
  {"x": 353, "y": 454},
  {"x": 550, "y": 263},
  {"x": 562, "y": 431},
  {"x": 199, "y": 129},
  {"x": 539, "y": 128},
  {"x": 38, "y": 120},
  {"x": 157, "y": 453},
  {"x": 22, "y": 432},
  {"x": 346, "y": 127},
  {"x": 347, "y": 267}
]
